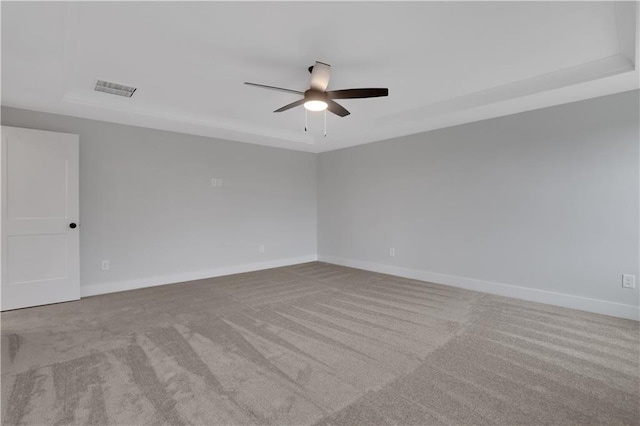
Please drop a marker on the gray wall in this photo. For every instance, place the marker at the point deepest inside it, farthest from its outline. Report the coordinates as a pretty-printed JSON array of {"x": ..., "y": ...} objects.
[
  {"x": 147, "y": 204},
  {"x": 546, "y": 199}
]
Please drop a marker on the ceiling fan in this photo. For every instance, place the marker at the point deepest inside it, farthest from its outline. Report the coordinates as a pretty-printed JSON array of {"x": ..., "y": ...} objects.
[{"x": 317, "y": 98}]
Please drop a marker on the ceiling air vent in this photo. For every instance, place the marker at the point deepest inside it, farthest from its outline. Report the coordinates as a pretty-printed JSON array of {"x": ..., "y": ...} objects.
[{"x": 115, "y": 88}]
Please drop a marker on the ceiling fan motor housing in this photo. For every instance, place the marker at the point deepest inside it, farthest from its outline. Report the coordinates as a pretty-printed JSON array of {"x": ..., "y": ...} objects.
[{"x": 315, "y": 95}]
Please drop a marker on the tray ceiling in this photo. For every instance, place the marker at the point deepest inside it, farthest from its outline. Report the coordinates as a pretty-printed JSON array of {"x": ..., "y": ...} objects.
[{"x": 445, "y": 63}]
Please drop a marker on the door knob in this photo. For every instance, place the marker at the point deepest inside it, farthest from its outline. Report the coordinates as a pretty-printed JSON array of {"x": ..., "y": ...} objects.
[{"x": 72, "y": 225}]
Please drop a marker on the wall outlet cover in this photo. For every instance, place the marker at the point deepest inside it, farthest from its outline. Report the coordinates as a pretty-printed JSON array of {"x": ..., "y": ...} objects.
[{"x": 628, "y": 281}]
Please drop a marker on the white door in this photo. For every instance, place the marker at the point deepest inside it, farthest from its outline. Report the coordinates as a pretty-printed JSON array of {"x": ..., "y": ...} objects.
[{"x": 40, "y": 229}]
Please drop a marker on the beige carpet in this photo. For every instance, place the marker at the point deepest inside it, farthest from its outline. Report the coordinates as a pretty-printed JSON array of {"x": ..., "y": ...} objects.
[{"x": 316, "y": 343}]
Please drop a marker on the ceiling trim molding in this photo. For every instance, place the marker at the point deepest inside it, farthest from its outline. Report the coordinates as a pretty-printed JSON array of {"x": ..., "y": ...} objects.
[
  {"x": 626, "y": 26},
  {"x": 241, "y": 130},
  {"x": 562, "y": 78},
  {"x": 618, "y": 83}
]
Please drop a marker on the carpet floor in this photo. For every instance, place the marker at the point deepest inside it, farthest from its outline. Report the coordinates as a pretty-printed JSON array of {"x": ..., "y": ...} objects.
[{"x": 316, "y": 344}]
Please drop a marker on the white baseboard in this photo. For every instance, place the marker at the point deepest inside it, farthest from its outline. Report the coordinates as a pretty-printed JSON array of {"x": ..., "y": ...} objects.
[
  {"x": 525, "y": 293},
  {"x": 112, "y": 287}
]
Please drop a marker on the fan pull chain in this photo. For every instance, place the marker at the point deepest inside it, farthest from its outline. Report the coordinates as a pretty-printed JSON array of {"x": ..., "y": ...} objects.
[
  {"x": 325, "y": 123},
  {"x": 305, "y": 120}
]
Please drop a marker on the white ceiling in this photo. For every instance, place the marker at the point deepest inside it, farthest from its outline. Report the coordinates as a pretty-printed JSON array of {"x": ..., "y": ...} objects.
[{"x": 444, "y": 63}]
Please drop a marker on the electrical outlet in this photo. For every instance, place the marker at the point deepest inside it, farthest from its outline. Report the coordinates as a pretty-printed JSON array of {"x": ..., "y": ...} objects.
[
  {"x": 105, "y": 265},
  {"x": 628, "y": 281},
  {"x": 261, "y": 248},
  {"x": 392, "y": 252},
  {"x": 219, "y": 182}
]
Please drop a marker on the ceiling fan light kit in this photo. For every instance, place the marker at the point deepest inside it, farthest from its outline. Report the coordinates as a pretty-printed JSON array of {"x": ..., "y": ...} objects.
[
  {"x": 317, "y": 98},
  {"x": 315, "y": 105},
  {"x": 315, "y": 101}
]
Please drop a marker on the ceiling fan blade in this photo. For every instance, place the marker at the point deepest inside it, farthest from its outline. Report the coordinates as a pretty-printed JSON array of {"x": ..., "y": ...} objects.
[
  {"x": 336, "y": 108},
  {"x": 320, "y": 75},
  {"x": 279, "y": 89},
  {"x": 358, "y": 93},
  {"x": 291, "y": 105}
]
